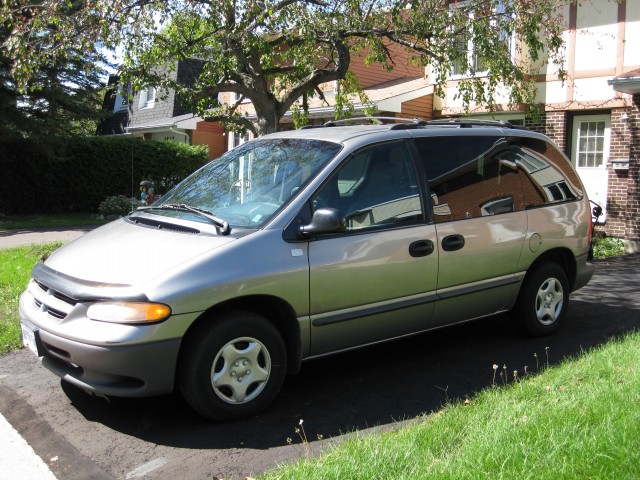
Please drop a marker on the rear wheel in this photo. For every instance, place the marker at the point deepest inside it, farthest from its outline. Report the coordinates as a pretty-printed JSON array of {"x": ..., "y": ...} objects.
[
  {"x": 233, "y": 367},
  {"x": 543, "y": 300}
]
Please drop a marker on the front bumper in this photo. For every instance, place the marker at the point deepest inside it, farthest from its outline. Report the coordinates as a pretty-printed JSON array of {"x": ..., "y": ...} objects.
[
  {"x": 102, "y": 358},
  {"x": 131, "y": 371}
]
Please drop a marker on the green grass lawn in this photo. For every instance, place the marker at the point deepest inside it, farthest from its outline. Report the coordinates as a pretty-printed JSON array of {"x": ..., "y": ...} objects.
[
  {"x": 48, "y": 220},
  {"x": 15, "y": 269},
  {"x": 579, "y": 420}
]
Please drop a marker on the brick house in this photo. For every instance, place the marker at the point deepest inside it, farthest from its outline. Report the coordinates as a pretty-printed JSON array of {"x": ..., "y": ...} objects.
[
  {"x": 593, "y": 116},
  {"x": 624, "y": 182}
]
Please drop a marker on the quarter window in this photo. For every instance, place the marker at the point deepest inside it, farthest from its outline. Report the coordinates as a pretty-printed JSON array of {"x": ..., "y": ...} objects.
[{"x": 546, "y": 174}]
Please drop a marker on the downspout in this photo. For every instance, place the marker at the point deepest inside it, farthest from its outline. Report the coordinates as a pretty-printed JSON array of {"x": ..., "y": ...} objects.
[{"x": 172, "y": 129}]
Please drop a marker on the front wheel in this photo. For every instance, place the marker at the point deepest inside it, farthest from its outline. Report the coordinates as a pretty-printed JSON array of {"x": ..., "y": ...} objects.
[
  {"x": 543, "y": 300},
  {"x": 232, "y": 367}
]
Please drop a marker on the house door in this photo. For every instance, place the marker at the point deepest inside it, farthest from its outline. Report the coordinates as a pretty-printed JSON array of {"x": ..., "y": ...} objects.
[{"x": 590, "y": 154}]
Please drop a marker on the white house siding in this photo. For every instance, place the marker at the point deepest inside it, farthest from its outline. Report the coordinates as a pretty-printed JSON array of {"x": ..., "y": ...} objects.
[
  {"x": 632, "y": 33},
  {"x": 596, "y": 35}
]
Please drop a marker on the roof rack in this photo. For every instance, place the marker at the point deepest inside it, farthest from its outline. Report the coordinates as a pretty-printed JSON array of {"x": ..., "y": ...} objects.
[
  {"x": 371, "y": 121},
  {"x": 473, "y": 122},
  {"x": 411, "y": 123}
]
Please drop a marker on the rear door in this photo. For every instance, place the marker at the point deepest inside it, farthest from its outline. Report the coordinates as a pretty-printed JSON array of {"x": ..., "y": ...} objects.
[
  {"x": 377, "y": 279},
  {"x": 481, "y": 225}
]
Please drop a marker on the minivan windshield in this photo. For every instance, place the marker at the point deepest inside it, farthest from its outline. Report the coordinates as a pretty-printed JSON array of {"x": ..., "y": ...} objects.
[{"x": 247, "y": 185}]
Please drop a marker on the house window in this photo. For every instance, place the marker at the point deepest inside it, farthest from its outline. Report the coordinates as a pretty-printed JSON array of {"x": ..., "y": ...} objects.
[
  {"x": 473, "y": 62},
  {"x": 122, "y": 97},
  {"x": 147, "y": 97},
  {"x": 470, "y": 61}
]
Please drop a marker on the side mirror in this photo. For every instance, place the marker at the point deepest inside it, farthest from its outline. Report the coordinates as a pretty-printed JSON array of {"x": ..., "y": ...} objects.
[{"x": 324, "y": 220}]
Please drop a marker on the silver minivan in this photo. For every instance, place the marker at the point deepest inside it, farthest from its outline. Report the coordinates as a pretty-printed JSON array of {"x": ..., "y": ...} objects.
[{"x": 307, "y": 243}]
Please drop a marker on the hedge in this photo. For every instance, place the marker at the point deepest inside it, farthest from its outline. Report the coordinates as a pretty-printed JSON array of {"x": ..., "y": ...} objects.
[{"x": 76, "y": 174}]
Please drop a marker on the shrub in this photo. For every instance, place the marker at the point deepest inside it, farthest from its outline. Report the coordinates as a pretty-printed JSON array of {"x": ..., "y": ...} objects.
[
  {"x": 77, "y": 174},
  {"x": 118, "y": 205},
  {"x": 605, "y": 247}
]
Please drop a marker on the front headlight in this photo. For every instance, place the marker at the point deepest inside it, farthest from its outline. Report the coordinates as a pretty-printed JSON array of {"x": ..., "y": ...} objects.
[{"x": 128, "y": 312}]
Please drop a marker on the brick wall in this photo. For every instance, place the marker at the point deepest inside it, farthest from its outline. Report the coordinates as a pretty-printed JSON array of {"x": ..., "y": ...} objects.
[
  {"x": 632, "y": 230},
  {"x": 618, "y": 179},
  {"x": 553, "y": 125}
]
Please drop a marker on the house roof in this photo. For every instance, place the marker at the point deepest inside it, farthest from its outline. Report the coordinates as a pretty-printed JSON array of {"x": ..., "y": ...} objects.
[
  {"x": 388, "y": 96},
  {"x": 183, "y": 122},
  {"x": 628, "y": 82}
]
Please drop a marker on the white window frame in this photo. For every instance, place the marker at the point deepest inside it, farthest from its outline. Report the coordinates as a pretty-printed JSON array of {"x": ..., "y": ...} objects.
[
  {"x": 596, "y": 145},
  {"x": 147, "y": 97},
  {"x": 471, "y": 49}
]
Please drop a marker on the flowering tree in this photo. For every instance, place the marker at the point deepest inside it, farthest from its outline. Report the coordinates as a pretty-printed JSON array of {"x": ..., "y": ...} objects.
[{"x": 277, "y": 52}]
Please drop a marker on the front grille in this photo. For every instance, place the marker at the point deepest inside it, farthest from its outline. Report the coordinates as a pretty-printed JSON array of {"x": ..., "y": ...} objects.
[
  {"x": 58, "y": 295},
  {"x": 52, "y": 302},
  {"x": 49, "y": 310}
]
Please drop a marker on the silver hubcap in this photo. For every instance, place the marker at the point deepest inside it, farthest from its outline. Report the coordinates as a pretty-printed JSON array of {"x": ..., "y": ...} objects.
[
  {"x": 240, "y": 370},
  {"x": 549, "y": 301}
]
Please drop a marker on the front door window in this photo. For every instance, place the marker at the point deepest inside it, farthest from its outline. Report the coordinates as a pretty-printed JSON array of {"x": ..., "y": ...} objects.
[{"x": 591, "y": 140}]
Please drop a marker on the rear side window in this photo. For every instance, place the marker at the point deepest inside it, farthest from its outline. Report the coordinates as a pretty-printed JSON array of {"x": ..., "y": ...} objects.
[
  {"x": 470, "y": 177},
  {"x": 546, "y": 174}
]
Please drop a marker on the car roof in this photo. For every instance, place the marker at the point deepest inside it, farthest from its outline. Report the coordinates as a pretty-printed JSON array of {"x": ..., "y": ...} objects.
[{"x": 337, "y": 132}]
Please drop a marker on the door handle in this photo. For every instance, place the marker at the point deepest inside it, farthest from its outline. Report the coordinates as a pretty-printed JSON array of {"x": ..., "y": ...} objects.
[
  {"x": 421, "y": 248},
  {"x": 451, "y": 243}
]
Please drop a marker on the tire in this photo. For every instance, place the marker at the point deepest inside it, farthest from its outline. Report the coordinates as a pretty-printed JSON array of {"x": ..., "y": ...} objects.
[
  {"x": 233, "y": 367},
  {"x": 543, "y": 300}
]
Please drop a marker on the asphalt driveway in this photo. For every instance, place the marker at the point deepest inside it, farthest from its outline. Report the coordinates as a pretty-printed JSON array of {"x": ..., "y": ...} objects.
[{"x": 85, "y": 437}]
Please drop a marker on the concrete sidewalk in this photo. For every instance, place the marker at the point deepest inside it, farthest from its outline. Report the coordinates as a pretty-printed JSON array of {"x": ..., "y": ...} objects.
[
  {"x": 18, "y": 238},
  {"x": 17, "y": 458}
]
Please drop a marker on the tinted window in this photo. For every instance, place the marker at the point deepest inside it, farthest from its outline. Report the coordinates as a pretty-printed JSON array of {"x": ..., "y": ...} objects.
[
  {"x": 546, "y": 174},
  {"x": 375, "y": 187},
  {"x": 470, "y": 177}
]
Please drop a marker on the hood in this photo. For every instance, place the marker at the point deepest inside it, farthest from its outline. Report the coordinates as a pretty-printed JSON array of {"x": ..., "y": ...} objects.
[{"x": 128, "y": 254}]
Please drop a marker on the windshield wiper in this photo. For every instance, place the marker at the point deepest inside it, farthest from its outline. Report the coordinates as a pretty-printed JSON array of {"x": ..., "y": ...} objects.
[{"x": 223, "y": 226}]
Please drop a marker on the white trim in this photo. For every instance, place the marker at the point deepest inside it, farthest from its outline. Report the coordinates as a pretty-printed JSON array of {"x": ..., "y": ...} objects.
[{"x": 626, "y": 85}]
